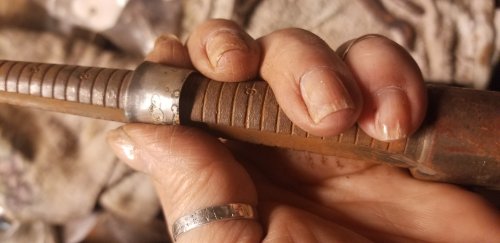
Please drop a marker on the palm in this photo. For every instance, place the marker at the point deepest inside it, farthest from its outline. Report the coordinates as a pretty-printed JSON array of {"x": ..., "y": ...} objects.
[{"x": 334, "y": 198}]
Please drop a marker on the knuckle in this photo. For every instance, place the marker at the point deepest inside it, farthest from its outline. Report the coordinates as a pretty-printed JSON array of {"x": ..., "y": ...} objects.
[
  {"x": 376, "y": 41},
  {"x": 298, "y": 35}
]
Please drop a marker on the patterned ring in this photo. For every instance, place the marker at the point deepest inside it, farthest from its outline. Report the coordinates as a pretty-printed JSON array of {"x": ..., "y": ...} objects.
[{"x": 212, "y": 214}]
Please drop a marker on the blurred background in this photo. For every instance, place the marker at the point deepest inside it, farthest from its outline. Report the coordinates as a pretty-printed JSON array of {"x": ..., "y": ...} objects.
[{"x": 59, "y": 182}]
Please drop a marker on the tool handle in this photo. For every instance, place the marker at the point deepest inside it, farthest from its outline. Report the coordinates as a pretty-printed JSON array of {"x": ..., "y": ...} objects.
[
  {"x": 85, "y": 91},
  {"x": 457, "y": 143},
  {"x": 248, "y": 111}
]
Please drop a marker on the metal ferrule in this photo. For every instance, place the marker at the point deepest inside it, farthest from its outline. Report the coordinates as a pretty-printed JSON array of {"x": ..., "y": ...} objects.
[{"x": 153, "y": 94}]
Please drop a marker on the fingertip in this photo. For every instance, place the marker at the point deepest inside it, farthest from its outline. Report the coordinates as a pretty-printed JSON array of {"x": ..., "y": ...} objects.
[
  {"x": 169, "y": 50},
  {"x": 124, "y": 148},
  {"x": 223, "y": 51},
  {"x": 392, "y": 86},
  {"x": 311, "y": 83},
  {"x": 222, "y": 44},
  {"x": 332, "y": 107},
  {"x": 392, "y": 119},
  {"x": 324, "y": 93}
]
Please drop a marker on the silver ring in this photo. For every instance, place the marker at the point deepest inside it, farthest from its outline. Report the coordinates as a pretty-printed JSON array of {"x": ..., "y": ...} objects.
[{"x": 210, "y": 215}]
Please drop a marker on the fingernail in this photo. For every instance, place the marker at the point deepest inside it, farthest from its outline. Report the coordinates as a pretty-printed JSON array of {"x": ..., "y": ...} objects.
[
  {"x": 324, "y": 93},
  {"x": 166, "y": 38},
  {"x": 221, "y": 42},
  {"x": 393, "y": 111},
  {"x": 165, "y": 41},
  {"x": 122, "y": 144},
  {"x": 159, "y": 44}
]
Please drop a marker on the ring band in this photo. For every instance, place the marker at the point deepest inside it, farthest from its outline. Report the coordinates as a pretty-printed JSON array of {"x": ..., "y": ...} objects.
[
  {"x": 212, "y": 214},
  {"x": 344, "y": 49}
]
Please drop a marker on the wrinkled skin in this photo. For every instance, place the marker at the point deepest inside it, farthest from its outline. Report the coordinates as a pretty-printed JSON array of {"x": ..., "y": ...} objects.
[{"x": 299, "y": 196}]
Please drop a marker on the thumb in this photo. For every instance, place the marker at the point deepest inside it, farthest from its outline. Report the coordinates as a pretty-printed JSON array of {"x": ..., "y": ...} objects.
[{"x": 191, "y": 171}]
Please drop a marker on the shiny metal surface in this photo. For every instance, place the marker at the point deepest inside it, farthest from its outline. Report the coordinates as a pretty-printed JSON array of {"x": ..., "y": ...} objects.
[
  {"x": 208, "y": 215},
  {"x": 153, "y": 94}
]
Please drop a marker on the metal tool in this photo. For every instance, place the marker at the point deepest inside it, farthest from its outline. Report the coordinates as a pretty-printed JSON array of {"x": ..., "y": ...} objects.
[{"x": 458, "y": 143}]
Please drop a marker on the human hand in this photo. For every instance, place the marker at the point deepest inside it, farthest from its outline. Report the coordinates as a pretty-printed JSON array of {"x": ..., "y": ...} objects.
[{"x": 300, "y": 196}]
